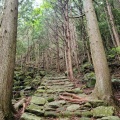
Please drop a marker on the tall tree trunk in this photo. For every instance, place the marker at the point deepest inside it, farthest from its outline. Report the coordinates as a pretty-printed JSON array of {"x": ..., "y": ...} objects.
[
  {"x": 103, "y": 89},
  {"x": 68, "y": 44},
  {"x": 7, "y": 57},
  {"x": 111, "y": 33},
  {"x": 58, "y": 57},
  {"x": 111, "y": 18},
  {"x": 57, "y": 49},
  {"x": 74, "y": 46}
]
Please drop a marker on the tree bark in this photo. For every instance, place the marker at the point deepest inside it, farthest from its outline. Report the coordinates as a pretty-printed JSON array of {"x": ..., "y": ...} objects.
[
  {"x": 111, "y": 18},
  {"x": 111, "y": 33},
  {"x": 103, "y": 89},
  {"x": 7, "y": 57},
  {"x": 68, "y": 44}
]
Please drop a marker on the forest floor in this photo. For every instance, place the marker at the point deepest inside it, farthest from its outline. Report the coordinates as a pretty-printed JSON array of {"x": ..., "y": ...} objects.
[{"x": 57, "y": 98}]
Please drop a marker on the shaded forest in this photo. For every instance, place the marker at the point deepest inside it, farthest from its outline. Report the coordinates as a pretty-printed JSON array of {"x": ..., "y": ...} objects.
[{"x": 60, "y": 60}]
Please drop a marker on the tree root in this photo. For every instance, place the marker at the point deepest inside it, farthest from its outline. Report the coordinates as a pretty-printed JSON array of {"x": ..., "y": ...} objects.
[
  {"x": 22, "y": 103},
  {"x": 73, "y": 98}
]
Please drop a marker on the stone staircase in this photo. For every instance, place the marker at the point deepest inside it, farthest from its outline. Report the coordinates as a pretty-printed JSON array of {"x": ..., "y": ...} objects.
[{"x": 47, "y": 105}]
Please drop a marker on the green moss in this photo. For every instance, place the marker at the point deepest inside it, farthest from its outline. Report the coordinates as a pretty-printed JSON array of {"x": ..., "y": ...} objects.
[{"x": 102, "y": 111}]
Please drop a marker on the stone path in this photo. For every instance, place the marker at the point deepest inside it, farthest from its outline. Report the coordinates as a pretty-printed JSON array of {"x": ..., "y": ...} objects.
[{"x": 46, "y": 105}]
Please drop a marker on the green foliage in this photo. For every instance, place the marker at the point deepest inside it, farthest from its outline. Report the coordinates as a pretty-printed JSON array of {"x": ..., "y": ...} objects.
[
  {"x": 86, "y": 66},
  {"x": 113, "y": 52},
  {"x": 32, "y": 21},
  {"x": 116, "y": 13},
  {"x": 90, "y": 78},
  {"x": 20, "y": 47}
]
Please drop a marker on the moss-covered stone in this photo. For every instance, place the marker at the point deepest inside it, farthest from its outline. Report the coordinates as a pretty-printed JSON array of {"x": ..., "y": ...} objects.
[
  {"x": 77, "y": 90},
  {"x": 28, "y": 116},
  {"x": 96, "y": 103},
  {"x": 56, "y": 104},
  {"x": 66, "y": 114},
  {"x": 87, "y": 114},
  {"x": 51, "y": 114},
  {"x": 103, "y": 111},
  {"x": 111, "y": 118},
  {"x": 50, "y": 91},
  {"x": 87, "y": 105},
  {"x": 40, "y": 91},
  {"x": 50, "y": 99},
  {"x": 38, "y": 100},
  {"x": 73, "y": 107},
  {"x": 64, "y": 119},
  {"x": 85, "y": 118},
  {"x": 35, "y": 109}
]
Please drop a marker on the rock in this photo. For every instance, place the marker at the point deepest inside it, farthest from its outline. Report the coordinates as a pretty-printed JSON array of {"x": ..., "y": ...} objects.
[
  {"x": 61, "y": 109},
  {"x": 56, "y": 104},
  {"x": 73, "y": 107},
  {"x": 47, "y": 108},
  {"x": 103, "y": 111},
  {"x": 69, "y": 85},
  {"x": 51, "y": 114},
  {"x": 35, "y": 109},
  {"x": 50, "y": 91},
  {"x": 64, "y": 119},
  {"x": 87, "y": 105},
  {"x": 77, "y": 90},
  {"x": 42, "y": 87},
  {"x": 35, "y": 83},
  {"x": 59, "y": 90},
  {"x": 57, "y": 78},
  {"x": 62, "y": 102},
  {"x": 111, "y": 118},
  {"x": 96, "y": 103},
  {"x": 28, "y": 116},
  {"x": 66, "y": 114},
  {"x": 50, "y": 99},
  {"x": 40, "y": 91},
  {"x": 87, "y": 114},
  {"x": 85, "y": 118},
  {"x": 38, "y": 100}
]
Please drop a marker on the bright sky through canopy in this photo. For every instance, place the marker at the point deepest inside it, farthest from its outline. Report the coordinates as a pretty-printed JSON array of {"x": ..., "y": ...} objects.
[{"x": 38, "y": 3}]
